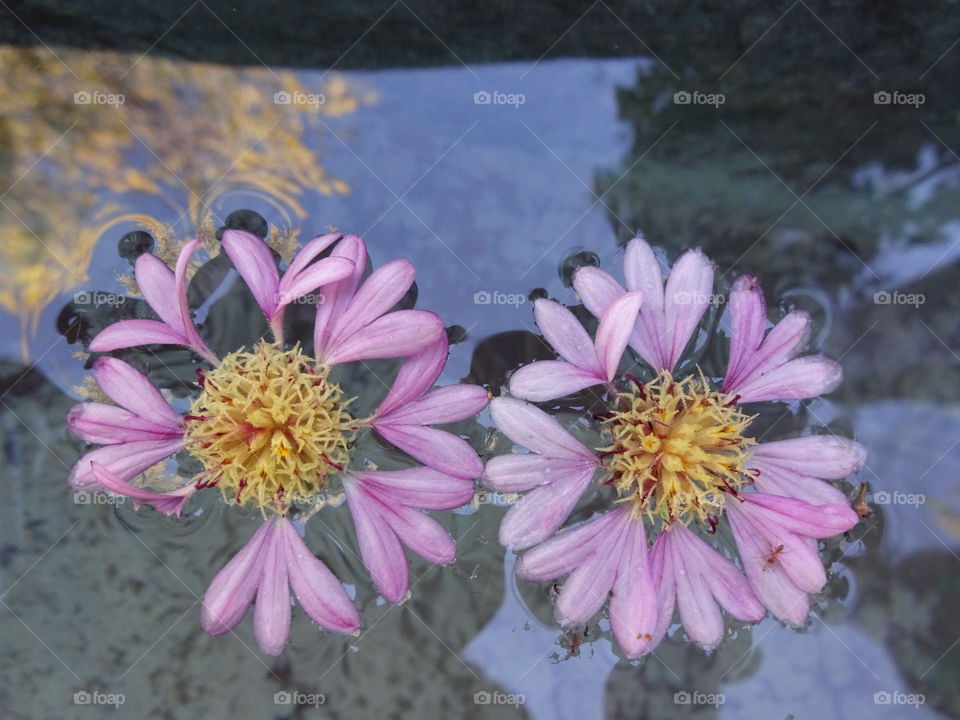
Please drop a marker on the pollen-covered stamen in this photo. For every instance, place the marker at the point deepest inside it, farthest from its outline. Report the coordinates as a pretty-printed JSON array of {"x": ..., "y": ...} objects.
[
  {"x": 269, "y": 428},
  {"x": 677, "y": 449}
]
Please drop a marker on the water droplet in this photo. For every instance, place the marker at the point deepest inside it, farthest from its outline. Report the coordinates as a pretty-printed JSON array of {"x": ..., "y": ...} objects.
[
  {"x": 247, "y": 220},
  {"x": 134, "y": 244},
  {"x": 574, "y": 260}
]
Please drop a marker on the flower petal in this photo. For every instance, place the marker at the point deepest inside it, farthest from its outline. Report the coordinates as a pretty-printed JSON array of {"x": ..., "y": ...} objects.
[
  {"x": 194, "y": 341},
  {"x": 419, "y": 487},
  {"x": 816, "y": 521},
  {"x": 159, "y": 288},
  {"x": 550, "y": 379},
  {"x": 379, "y": 545},
  {"x": 420, "y": 532},
  {"x": 271, "y": 614},
  {"x": 167, "y": 503},
  {"x": 662, "y": 578},
  {"x": 748, "y": 320},
  {"x": 540, "y": 512},
  {"x": 397, "y": 334},
  {"x": 633, "y": 606},
  {"x": 234, "y": 587},
  {"x": 438, "y": 449},
  {"x": 616, "y": 327},
  {"x": 699, "y": 611},
  {"x": 797, "y": 379},
  {"x": 686, "y": 298},
  {"x": 308, "y": 252},
  {"x": 819, "y": 456},
  {"x": 378, "y": 294},
  {"x": 125, "y": 460},
  {"x": 443, "y": 405},
  {"x": 587, "y": 588},
  {"x": 337, "y": 295},
  {"x": 783, "y": 342},
  {"x": 516, "y": 472},
  {"x": 535, "y": 430},
  {"x": 597, "y": 289},
  {"x": 254, "y": 261},
  {"x": 103, "y": 424},
  {"x": 568, "y": 549},
  {"x": 131, "y": 333},
  {"x": 566, "y": 335},
  {"x": 322, "y": 272},
  {"x": 131, "y": 389},
  {"x": 320, "y": 593},
  {"x": 417, "y": 375}
]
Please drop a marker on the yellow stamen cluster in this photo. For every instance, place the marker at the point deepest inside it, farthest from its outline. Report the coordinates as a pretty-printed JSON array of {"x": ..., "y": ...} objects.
[
  {"x": 269, "y": 428},
  {"x": 677, "y": 449}
]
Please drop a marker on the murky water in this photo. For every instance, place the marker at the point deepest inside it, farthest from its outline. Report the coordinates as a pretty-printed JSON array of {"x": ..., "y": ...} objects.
[{"x": 494, "y": 180}]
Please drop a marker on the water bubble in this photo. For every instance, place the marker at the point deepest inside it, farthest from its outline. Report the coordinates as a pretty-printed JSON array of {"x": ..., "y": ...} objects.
[
  {"x": 575, "y": 260},
  {"x": 248, "y": 220},
  {"x": 134, "y": 244}
]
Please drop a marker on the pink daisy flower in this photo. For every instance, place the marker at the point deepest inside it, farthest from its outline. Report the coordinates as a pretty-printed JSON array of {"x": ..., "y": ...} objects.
[
  {"x": 274, "y": 433},
  {"x": 675, "y": 455}
]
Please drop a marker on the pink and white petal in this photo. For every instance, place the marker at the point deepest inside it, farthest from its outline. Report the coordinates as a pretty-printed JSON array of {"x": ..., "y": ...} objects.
[
  {"x": 168, "y": 503},
  {"x": 699, "y": 611},
  {"x": 438, "y": 449},
  {"x": 337, "y": 295},
  {"x": 131, "y": 333},
  {"x": 194, "y": 341},
  {"x": 686, "y": 298},
  {"x": 378, "y": 294},
  {"x": 747, "y": 315},
  {"x": 641, "y": 271},
  {"x": 131, "y": 389},
  {"x": 320, "y": 593},
  {"x": 397, "y": 334},
  {"x": 125, "y": 460},
  {"x": 568, "y": 549},
  {"x": 797, "y": 516},
  {"x": 587, "y": 588},
  {"x": 271, "y": 614},
  {"x": 783, "y": 342},
  {"x": 597, "y": 289},
  {"x": 776, "y": 481},
  {"x": 380, "y": 547},
  {"x": 664, "y": 584},
  {"x": 103, "y": 424},
  {"x": 819, "y": 456},
  {"x": 420, "y": 533},
  {"x": 321, "y": 273},
  {"x": 566, "y": 335},
  {"x": 541, "y": 512},
  {"x": 550, "y": 379},
  {"x": 308, "y": 252},
  {"x": 776, "y": 591},
  {"x": 234, "y": 587},
  {"x": 515, "y": 473},
  {"x": 159, "y": 288},
  {"x": 254, "y": 261},
  {"x": 419, "y": 487},
  {"x": 443, "y": 405},
  {"x": 535, "y": 430},
  {"x": 797, "y": 379},
  {"x": 633, "y": 606},
  {"x": 616, "y": 327},
  {"x": 417, "y": 375}
]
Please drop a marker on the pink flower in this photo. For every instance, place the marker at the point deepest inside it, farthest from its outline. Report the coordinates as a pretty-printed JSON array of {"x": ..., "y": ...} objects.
[
  {"x": 274, "y": 560},
  {"x": 676, "y": 453}
]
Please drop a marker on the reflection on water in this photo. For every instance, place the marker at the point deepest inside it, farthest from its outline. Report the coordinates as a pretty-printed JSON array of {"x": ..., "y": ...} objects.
[{"x": 484, "y": 199}]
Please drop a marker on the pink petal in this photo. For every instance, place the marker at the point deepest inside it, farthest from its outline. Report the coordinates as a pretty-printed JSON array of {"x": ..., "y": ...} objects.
[
  {"x": 159, "y": 288},
  {"x": 568, "y": 549},
  {"x": 816, "y": 521},
  {"x": 748, "y": 321},
  {"x": 125, "y": 460},
  {"x": 397, "y": 334},
  {"x": 337, "y": 295},
  {"x": 566, "y": 335},
  {"x": 418, "y": 487},
  {"x": 131, "y": 333},
  {"x": 804, "y": 377},
  {"x": 420, "y": 533},
  {"x": 440, "y": 450},
  {"x": 686, "y": 298},
  {"x": 271, "y": 614},
  {"x": 194, "y": 340},
  {"x": 616, "y": 327},
  {"x": 783, "y": 342},
  {"x": 540, "y": 512},
  {"x": 443, "y": 405},
  {"x": 308, "y": 252},
  {"x": 597, "y": 289},
  {"x": 776, "y": 481},
  {"x": 233, "y": 589},
  {"x": 378, "y": 294},
  {"x": 699, "y": 611},
  {"x": 514, "y": 473},
  {"x": 662, "y": 578},
  {"x": 642, "y": 273},
  {"x": 633, "y": 606},
  {"x": 819, "y": 456},
  {"x": 168, "y": 503},
  {"x": 131, "y": 389},
  {"x": 108, "y": 424},
  {"x": 587, "y": 588},
  {"x": 254, "y": 261},
  {"x": 379, "y": 545},
  {"x": 549, "y": 379},
  {"x": 322, "y": 272},
  {"x": 417, "y": 375},
  {"x": 535, "y": 430},
  {"x": 320, "y": 593}
]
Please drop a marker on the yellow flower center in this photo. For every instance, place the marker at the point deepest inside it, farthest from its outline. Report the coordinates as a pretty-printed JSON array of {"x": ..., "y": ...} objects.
[
  {"x": 677, "y": 449},
  {"x": 269, "y": 428}
]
